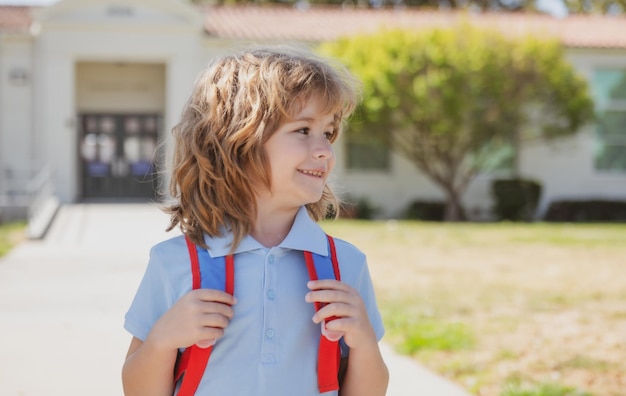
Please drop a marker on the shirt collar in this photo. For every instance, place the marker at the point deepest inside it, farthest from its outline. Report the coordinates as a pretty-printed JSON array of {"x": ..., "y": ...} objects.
[
  {"x": 219, "y": 246},
  {"x": 305, "y": 234}
]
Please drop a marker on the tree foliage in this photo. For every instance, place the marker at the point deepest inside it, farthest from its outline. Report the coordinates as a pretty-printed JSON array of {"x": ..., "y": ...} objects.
[
  {"x": 572, "y": 6},
  {"x": 446, "y": 99},
  {"x": 595, "y": 6}
]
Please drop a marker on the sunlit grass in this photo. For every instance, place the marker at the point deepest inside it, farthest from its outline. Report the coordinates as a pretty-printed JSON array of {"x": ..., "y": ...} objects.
[
  {"x": 541, "y": 389},
  {"x": 10, "y": 235},
  {"x": 481, "y": 302}
]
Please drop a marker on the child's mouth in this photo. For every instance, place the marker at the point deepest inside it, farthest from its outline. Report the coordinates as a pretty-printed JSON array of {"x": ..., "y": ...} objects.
[{"x": 311, "y": 173}]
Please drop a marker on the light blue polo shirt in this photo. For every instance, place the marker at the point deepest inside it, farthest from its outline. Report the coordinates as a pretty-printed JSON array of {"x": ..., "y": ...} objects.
[{"x": 270, "y": 346}]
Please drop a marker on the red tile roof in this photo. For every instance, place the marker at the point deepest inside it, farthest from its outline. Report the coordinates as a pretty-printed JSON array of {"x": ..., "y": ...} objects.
[
  {"x": 15, "y": 18},
  {"x": 326, "y": 23}
]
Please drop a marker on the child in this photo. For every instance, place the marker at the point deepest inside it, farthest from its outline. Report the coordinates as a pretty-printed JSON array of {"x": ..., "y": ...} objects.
[{"x": 253, "y": 153}]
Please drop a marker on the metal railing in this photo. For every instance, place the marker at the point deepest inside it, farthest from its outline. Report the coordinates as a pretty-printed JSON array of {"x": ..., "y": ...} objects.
[
  {"x": 13, "y": 191},
  {"x": 39, "y": 190},
  {"x": 14, "y": 199},
  {"x": 28, "y": 195}
]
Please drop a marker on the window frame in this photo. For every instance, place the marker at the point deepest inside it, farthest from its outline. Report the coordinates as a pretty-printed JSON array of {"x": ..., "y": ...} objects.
[
  {"x": 366, "y": 141},
  {"x": 604, "y": 103}
]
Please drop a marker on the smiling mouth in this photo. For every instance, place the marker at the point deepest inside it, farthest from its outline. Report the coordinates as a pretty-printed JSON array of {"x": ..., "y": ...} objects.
[{"x": 311, "y": 173}]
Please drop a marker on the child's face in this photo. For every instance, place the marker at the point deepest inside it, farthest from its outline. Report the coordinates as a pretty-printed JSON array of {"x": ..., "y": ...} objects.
[{"x": 301, "y": 156}]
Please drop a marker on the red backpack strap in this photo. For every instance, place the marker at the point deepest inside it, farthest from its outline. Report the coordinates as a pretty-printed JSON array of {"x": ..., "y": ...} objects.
[
  {"x": 333, "y": 257},
  {"x": 194, "y": 360},
  {"x": 329, "y": 353}
]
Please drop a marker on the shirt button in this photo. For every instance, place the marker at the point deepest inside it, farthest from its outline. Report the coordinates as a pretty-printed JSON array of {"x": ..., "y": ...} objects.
[
  {"x": 270, "y": 333},
  {"x": 271, "y": 294},
  {"x": 271, "y": 259}
]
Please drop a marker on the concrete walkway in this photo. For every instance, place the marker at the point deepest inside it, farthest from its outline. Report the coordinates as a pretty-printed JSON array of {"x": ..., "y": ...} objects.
[{"x": 63, "y": 299}]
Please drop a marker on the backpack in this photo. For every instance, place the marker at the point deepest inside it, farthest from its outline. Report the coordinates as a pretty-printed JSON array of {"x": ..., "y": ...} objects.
[{"x": 219, "y": 273}]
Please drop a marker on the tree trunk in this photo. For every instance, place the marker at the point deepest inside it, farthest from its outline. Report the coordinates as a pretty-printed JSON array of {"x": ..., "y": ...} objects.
[
  {"x": 517, "y": 148},
  {"x": 454, "y": 209}
]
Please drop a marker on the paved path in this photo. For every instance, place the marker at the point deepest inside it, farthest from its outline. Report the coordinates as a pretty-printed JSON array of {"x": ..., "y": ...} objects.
[{"x": 63, "y": 299}]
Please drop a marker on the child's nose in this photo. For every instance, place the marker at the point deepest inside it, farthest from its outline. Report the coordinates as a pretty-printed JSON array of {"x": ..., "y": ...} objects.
[{"x": 323, "y": 148}]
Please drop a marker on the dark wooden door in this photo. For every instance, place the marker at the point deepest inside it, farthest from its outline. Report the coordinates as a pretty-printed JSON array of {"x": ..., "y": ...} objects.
[{"x": 118, "y": 155}]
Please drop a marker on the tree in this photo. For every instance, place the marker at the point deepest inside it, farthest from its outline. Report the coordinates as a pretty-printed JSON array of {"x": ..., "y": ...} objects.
[
  {"x": 595, "y": 6},
  {"x": 571, "y": 6},
  {"x": 447, "y": 100}
]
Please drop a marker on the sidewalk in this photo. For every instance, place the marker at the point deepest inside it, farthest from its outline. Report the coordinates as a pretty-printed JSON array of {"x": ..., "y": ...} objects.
[{"x": 63, "y": 299}]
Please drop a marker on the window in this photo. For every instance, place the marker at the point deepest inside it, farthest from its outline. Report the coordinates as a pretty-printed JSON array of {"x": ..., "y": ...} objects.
[
  {"x": 496, "y": 158},
  {"x": 367, "y": 152},
  {"x": 609, "y": 90}
]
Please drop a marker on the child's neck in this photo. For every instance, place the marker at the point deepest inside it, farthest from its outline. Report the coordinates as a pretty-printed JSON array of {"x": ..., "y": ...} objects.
[{"x": 271, "y": 227}]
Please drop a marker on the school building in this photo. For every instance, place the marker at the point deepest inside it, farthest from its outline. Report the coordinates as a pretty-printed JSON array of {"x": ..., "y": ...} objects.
[{"x": 89, "y": 90}]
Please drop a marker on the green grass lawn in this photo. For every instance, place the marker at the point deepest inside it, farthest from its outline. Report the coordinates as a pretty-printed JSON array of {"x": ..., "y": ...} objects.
[
  {"x": 10, "y": 235},
  {"x": 503, "y": 309}
]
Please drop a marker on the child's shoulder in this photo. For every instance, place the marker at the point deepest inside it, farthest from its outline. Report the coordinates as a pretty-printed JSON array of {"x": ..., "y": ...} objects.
[
  {"x": 348, "y": 251},
  {"x": 352, "y": 263},
  {"x": 172, "y": 246}
]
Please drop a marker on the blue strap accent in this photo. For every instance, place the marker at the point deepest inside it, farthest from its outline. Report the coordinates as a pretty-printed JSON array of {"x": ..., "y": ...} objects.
[
  {"x": 323, "y": 266},
  {"x": 344, "y": 348},
  {"x": 212, "y": 273}
]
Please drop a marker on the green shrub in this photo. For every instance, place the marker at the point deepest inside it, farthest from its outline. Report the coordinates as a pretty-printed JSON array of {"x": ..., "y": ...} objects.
[
  {"x": 515, "y": 199},
  {"x": 360, "y": 208},
  {"x": 586, "y": 211},
  {"x": 426, "y": 210}
]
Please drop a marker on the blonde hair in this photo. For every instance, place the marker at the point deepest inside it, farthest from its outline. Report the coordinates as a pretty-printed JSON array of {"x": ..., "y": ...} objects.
[{"x": 237, "y": 103}]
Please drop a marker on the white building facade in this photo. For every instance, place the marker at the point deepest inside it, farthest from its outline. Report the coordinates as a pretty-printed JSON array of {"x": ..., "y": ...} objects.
[{"x": 90, "y": 90}]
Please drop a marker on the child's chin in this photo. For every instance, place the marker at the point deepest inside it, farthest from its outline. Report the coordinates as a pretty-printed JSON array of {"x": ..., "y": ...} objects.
[{"x": 314, "y": 200}]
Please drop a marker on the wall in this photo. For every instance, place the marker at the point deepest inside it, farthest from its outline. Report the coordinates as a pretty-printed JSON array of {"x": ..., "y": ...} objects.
[{"x": 16, "y": 103}]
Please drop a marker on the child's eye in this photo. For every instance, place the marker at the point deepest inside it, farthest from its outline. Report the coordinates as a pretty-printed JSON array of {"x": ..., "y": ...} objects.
[
  {"x": 304, "y": 131},
  {"x": 329, "y": 135}
]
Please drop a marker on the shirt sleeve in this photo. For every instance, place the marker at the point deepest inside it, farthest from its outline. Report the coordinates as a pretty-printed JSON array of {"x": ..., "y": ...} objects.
[
  {"x": 153, "y": 298},
  {"x": 354, "y": 271},
  {"x": 366, "y": 289}
]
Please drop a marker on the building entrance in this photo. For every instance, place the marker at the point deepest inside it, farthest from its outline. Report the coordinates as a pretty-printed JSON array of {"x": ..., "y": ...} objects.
[{"x": 118, "y": 155}]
